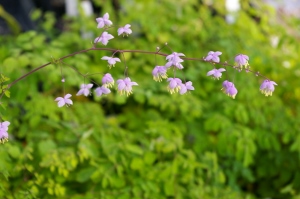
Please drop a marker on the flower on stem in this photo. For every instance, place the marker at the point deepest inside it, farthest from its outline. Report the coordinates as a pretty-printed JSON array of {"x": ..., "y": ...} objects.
[
  {"x": 102, "y": 90},
  {"x": 108, "y": 80},
  {"x": 111, "y": 60},
  {"x": 125, "y": 30},
  {"x": 229, "y": 89},
  {"x": 242, "y": 60},
  {"x": 186, "y": 87},
  {"x": 213, "y": 56},
  {"x": 174, "y": 85},
  {"x": 174, "y": 60},
  {"x": 3, "y": 131},
  {"x": 159, "y": 73},
  {"x": 267, "y": 87},
  {"x": 216, "y": 73},
  {"x": 103, "y": 21},
  {"x": 85, "y": 89},
  {"x": 64, "y": 100},
  {"x": 103, "y": 38},
  {"x": 125, "y": 86}
]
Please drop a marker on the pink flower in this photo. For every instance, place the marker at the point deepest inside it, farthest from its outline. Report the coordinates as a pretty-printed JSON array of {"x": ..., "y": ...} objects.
[
  {"x": 102, "y": 90},
  {"x": 104, "y": 38},
  {"x": 213, "y": 56},
  {"x": 216, "y": 73},
  {"x": 242, "y": 60},
  {"x": 64, "y": 100},
  {"x": 267, "y": 87},
  {"x": 85, "y": 89},
  {"x": 159, "y": 73},
  {"x": 111, "y": 60},
  {"x": 108, "y": 80},
  {"x": 186, "y": 87},
  {"x": 174, "y": 85},
  {"x": 125, "y": 86},
  {"x": 229, "y": 89},
  {"x": 174, "y": 60},
  {"x": 125, "y": 30},
  {"x": 3, "y": 131},
  {"x": 103, "y": 21}
]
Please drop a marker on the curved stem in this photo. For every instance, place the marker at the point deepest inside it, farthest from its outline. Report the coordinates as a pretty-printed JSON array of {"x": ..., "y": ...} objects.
[{"x": 114, "y": 51}]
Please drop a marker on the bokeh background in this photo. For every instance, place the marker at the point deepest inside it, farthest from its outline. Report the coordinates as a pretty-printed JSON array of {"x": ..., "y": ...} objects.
[{"x": 152, "y": 145}]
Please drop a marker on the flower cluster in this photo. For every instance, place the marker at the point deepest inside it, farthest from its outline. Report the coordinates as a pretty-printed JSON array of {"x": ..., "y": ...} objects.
[
  {"x": 160, "y": 72},
  {"x": 174, "y": 61},
  {"x": 3, "y": 131},
  {"x": 267, "y": 87},
  {"x": 104, "y": 22},
  {"x": 176, "y": 85}
]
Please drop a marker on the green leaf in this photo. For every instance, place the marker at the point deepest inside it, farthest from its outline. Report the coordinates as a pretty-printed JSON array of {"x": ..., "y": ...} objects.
[
  {"x": 136, "y": 164},
  {"x": 84, "y": 174},
  {"x": 134, "y": 149}
]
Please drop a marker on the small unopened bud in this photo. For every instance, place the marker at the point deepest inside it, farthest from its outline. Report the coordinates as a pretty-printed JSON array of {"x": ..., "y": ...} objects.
[
  {"x": 257, "y": 73},
  {"x": 63, "y": 80},
  {"x": 157, "y": 48},
  {"x": 166, "y": 43}
]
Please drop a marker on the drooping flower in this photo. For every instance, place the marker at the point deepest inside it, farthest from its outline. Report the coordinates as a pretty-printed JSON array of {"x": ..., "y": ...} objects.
[
  {"x": 125, "y": 86},
  {"x": 102, "y": 90},
  {"x": 242, "y": 60},
  {"x": 267, "y": 87},
  {"x": 103, "y": 21},
  {"x": 64, "y": 100},
  {"x": 108, "y": 80},
  {"x": 174, "y": 85},
  {"x": 213, "y": 56},
  {"x": 111, "y": 60},
  {"x": 174, "y": 60},
  {"x": 85, "y": 89},
  {"x": 186, "y": 87},
  {"x": 125, "y": 30},
  {"x": 229, "y": 89},
  {"x": 159, "y": 73},
  {"x": 216, "y": 73},
  {"x": 3, "y": 131},
  {"x": 103, "y": 38}
]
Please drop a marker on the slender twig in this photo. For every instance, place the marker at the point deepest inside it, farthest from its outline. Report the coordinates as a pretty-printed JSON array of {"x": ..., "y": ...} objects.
[{"x": 157, "y": 52}]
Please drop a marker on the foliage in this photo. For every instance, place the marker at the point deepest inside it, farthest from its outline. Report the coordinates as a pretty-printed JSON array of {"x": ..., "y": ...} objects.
[{"x": 153, "y": 144}]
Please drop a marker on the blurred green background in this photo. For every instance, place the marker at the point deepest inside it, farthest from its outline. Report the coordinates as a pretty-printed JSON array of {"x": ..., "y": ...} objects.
[{"x": 154, "y": 145}]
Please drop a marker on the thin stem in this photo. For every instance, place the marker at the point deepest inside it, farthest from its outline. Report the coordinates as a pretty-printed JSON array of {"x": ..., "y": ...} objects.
[{"x": 114, "y": 51}]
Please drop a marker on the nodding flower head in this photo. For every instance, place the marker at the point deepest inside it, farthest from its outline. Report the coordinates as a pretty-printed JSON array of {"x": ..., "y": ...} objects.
[
  {"x": 85, "y": 89},
  {"x": 186, "y": 87},
  {"x": 125, "y": 86},
  {"x": 111, "y": 61},
  {"x": 242, "y": 60},
  {"x": 174, "y": 85},
  {"x": 159, "y": 73},
  {"x": 108, "y": 80},
  {"x": 102, "y": 90},
  {"x": 216, "y": 73},
  {"x": 267, "y": 87},
  {"x": 229, "y": 89},
  {"x": 3, "y": 131}
]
